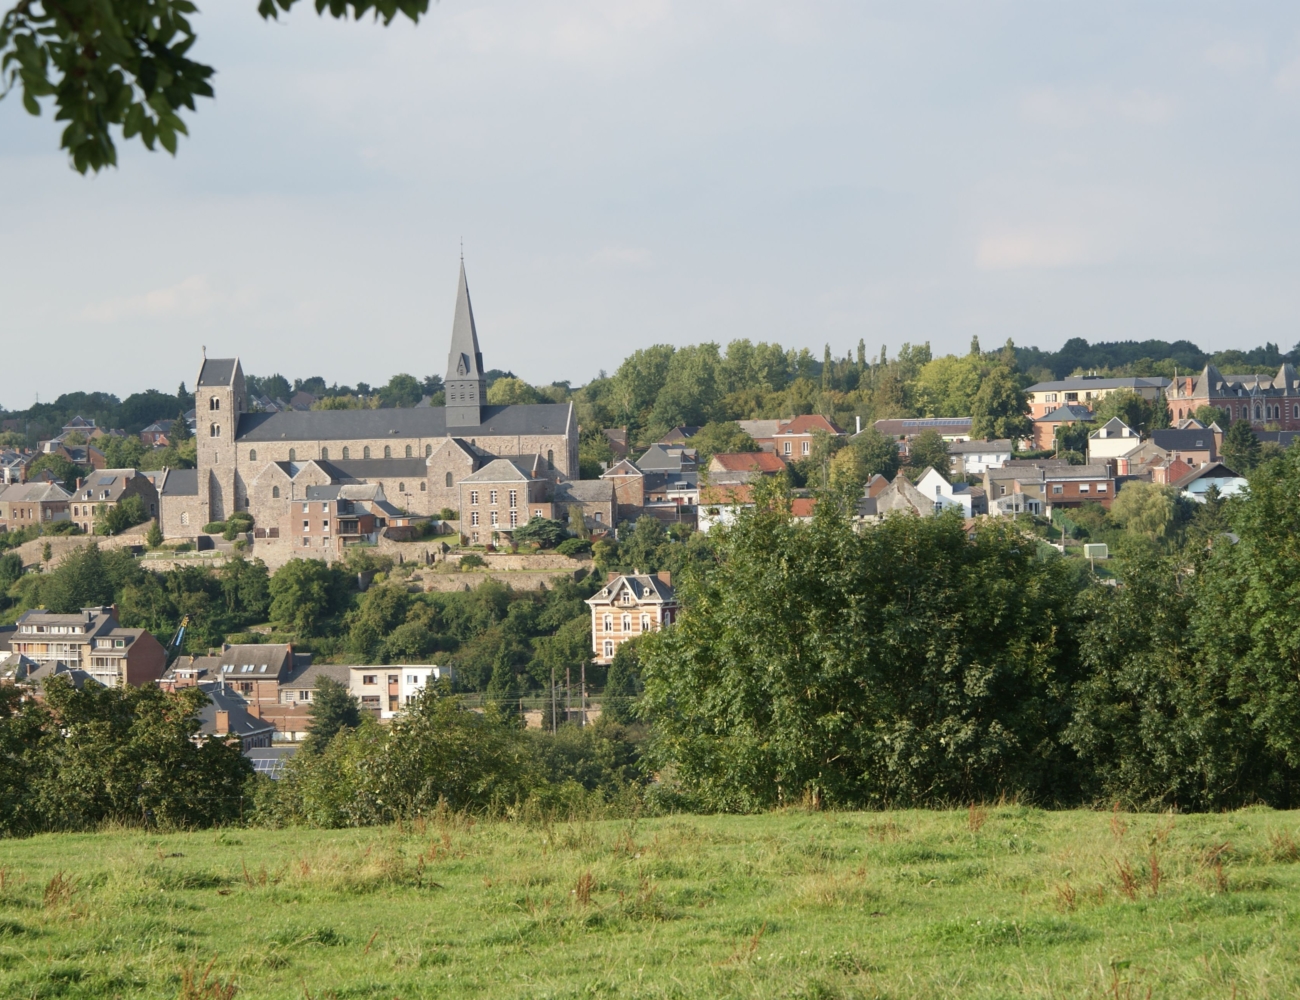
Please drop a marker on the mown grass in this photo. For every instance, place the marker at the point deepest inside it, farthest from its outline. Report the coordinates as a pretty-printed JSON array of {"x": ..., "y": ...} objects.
[{"x": 985, "y": 902}]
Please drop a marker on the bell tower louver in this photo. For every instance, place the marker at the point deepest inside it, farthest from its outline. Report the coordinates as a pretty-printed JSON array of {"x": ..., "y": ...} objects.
[{"x": 465, "y": 385}]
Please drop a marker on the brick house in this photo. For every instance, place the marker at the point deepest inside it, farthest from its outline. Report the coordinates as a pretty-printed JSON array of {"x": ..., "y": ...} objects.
[
  {"x": 106, "y": 489},
  {"x": 92, "y": 641},
  {"x": 794, "y": 440},
  {"x": 155, "y": 436},
  {"x": 627, "y": 606},
  {"x": 905, "y": 430},
  {"x": 629, "y": 489},
  {"x": 1087, "y": 391},
  {"x": 744, "y": 467},
  {"x": 26, "y": 504},
  {"x": 1261, "y": 399},
  {"x": 1044, "y": 425}
]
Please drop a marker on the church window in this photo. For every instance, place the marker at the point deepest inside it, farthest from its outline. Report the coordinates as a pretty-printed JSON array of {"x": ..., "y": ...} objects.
[
  {"x": 365, "y": 452},
  {"x": 214, "y": 403},
  {"x": 325, "y": 454},
  {"x": 408, "y": 451},
  {"x": 428, "y": 450},
  {"x": 346, "y": 456},
  {"x": 275, "y": 493},
  {"x": 449, "y": 480},
  {"x": 550, "y": 459},
  {"x": 293, "y": 454},
  {"x": 423, "y": 485},
  {"x": 214, "y": 430},
  {"x": 185, "y": 517},
  {"x": 388, "y": 452},
  {"x": 401, "y": 487},
  {"x": 252, "y": 455}
]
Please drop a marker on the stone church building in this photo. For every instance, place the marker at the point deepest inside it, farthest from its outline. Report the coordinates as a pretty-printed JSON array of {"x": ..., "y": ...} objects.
[{"x": 286, "y": 469}]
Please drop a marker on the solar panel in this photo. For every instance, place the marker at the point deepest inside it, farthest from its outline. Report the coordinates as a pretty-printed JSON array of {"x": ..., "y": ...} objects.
[
  {"x": 272, "y": 767},
  {"x": 106, "y": 480}
]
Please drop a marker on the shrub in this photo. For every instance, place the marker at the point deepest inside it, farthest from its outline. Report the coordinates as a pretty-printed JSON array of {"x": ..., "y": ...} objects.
[
  {"x": 214, "y": 527},
  {"x": 574, "y": 547},
  {"x": 472, "y": 561},
  {"x": 447, "y": 514}
]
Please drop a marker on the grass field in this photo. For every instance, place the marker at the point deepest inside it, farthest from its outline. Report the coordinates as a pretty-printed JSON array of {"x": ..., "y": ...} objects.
[{"x": 996, "y": 902}]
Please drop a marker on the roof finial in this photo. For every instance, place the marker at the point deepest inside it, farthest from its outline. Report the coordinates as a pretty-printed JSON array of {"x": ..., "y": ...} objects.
[
  {"x": 205, "y": 352},
  {"x": 462, "y": 249}
]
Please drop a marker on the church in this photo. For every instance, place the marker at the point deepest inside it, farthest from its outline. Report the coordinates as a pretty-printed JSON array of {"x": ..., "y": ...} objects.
[{"x": 296, "y": 471}]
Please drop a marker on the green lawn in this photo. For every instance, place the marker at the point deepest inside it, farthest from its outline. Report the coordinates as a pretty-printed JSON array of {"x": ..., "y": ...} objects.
[{"x": 1008, "y": 902}]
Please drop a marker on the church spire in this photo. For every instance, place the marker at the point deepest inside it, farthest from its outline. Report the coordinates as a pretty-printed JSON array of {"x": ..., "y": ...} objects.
[{"x": 465, "y": 386}]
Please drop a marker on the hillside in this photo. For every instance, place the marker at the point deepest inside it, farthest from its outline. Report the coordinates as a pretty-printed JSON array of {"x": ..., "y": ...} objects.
[{"x": 1003, "y": 901}]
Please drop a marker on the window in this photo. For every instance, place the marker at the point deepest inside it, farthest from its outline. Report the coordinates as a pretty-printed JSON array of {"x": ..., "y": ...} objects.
[
  {"x": 371, "y": 701},
  {"x": 609, "y": 623},
  {"x": 214, "y": 430},
  {"x": 627, "y": 623},
  {"x": 252, "y": 454},
  {"x": 599, "y": 517},
  {"x": 306, "y": 508},
  {"x": 388, "y": 452},
  {"x": 325, "y": 454},
  {"x": 306, "y": 541},
  {"x": 408, "y": 451},
  {"x": 214, "y": 403},
  {"x": 428, "y": 450},
  {"x": 495, "y": 519},
  {"x": 645, "y": 623},
  {"x": 473, "y": 518},
  {"x": 550, "y": 459},
  {"x": 473, "y": 495},
  {"x": 293, "y": 454},
  {"x": 346, "y": 453},
  {"x": 448, "y": 478},
  {"x": 401, "y": 487},
  {"x": 514, "y": 498},
  {"x": 185, "y": 517},
  {"x": 514, "y": 519},
  {"x": 306, "y": 525},
  {"x": 537, "y": 512},
  {"x": 609, "y": 649},
  {"x": 326, "y": 526},
  {"x": 805, "y": 447},
  {"x": 1058, "y": 489},
  {"x": 369, "y": 678},
  {"x": 1049, "y": 397},
  {"x": 392, "y": 678},
  {"x": 119, "y": 643},
  {"x": 1101, "y": 487},
  {"x": 365, "y": 452},
  {"x": 275, "y": 493},
  {"x": 423, "y": 485},
  {"x": 412, "y": 679},
  {"x": 1085, "y": 488},
  {"x": 492, "y": 497},
  {"x": 789, "y": 448}
]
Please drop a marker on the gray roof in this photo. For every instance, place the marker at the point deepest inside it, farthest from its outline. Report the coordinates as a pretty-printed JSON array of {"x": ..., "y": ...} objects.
[
  {"x": 365, "y": 469},
  {"x": 1215, "y": 470},
  {"x": 238, "y": 720},
  {"x": 661, "y": 458},
  {"x": 1069, "y": 412},
  {"x": 501, "y": 470},
  {"x": 464, "y": 360},
  {"x": 181, "y": 483},
  {"x": 306, "y": 677},
  {"x": 584, "y": 491},
  {"x": 643, "y": 586},
  {"x": 1184, "y": 440},
  {"x": 425, "y": 422},
  {"x": 1078, "y": 472},
  {"x": 915, "y": 425},
  {"x": 976, "y": 447},
  {"x": 1082, "y": 382},
  {"x": 33, "y": 493},
  {"x": 217, "y": 371}
]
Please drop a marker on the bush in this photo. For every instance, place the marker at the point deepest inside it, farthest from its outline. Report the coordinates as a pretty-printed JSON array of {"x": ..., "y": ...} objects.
[
  {"x": 447, "y": 514},
  {"x": 472, "y": 560},
  {"x": 543, "y": 530},
  {"x": 574, "y": 547},
  {"x": 214, "y": 527}
]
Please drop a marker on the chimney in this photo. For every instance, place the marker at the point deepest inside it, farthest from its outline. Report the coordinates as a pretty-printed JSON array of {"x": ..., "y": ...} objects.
[
  {"x": 223, "y": 723},
  {"x": 665, "y": 577},
  {"x": 80, "y": 482}
]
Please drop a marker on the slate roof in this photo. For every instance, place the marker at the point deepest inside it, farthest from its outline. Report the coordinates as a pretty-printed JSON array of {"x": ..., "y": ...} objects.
[
  {"x": 426, "y": 422},
  {"x": 34, "y": 493},
  {"x": 584, "y": 491},
  {"x": 912, "y": 426},
  {"x": 1215, "y": 470},
  {"x": 1182, "y": 440},
  {"x": 808, "y": 423},
  {"x": 644, "y": 587},
  {"x": 305, "y": 677},
  {"x": 366, "y": 469},
  {"x": 181, "y": 483},
  {"x": 217, "y": 371},
  {"x": 1065, "y": 414},
  {"x": 237, "y": 718},
  {"x": 978, "y": 447},
  {"x": 1080, "y": 382},
  {"x": 621, "y": 468},
  {"x": 501, "y": 470}
]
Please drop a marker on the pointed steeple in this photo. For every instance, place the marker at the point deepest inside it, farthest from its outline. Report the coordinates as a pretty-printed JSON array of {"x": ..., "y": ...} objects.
[{"x": 465, "y": 386}]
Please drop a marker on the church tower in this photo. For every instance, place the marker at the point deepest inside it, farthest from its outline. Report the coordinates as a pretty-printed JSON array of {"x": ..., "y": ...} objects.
[
  {"x": 465, "y": 386},
  {"x": 219, "y": 401}
]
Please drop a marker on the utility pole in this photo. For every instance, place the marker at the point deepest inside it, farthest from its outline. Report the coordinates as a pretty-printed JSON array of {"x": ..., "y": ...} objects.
[
  {"x": 568, "y": 692},
  {"x": 554, "y": 707},
  {"x": 584, "y": 692}
]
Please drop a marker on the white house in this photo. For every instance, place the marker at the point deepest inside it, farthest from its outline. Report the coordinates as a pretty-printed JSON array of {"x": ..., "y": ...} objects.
[
  {"x": 970, "y": 500},
  {"x": 1197, "y": 483},
  {"x": 1113, "y": 439},
  {"x": 973, "y": 458},
  {"x": 388, "y": 689}
]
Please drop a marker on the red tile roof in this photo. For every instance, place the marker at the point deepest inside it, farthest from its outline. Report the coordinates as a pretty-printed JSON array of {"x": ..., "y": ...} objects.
[
  {"x": 803, "y": 506},
  {"x": 750, "y": 461},
  {"x": 739, "y": 493},
  {"x": 809, "y": 423}
]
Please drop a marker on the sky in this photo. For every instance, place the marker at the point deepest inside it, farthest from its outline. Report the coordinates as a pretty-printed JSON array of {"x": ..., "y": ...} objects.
[{"x": 649, "y": 171}]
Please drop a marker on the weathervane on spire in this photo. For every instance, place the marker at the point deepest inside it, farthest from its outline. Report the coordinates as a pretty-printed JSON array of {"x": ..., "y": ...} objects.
[{"x": 462, "y": 249}]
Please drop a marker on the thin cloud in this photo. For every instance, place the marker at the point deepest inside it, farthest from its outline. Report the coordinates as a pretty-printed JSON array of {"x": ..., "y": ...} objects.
[
  {"x": 1028, "y": 249},
  {"x": 190, "y": 298}
]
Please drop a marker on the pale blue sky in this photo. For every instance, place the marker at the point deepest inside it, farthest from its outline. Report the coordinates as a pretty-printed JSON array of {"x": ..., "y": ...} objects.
[{"x": 671, "y": 170}]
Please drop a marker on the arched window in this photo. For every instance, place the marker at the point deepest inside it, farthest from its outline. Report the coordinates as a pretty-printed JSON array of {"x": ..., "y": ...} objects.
[
  {"x": 325, "y": 454},
  {"x": 185, "y": 517},
  {"x": 345, "y": 453},
  {"x": 214, "y": 403},
  {"x": 428, "y": 450},
  {"x": 408, "y": 451},
  {"x": 214, "y": 430},
  {"x": 1256, "y": 412},
  {"x": 609, "y": 649},
  {"x": 388, "y": 452},
  {"x": 293, "y": 454},
  {"x": 550, "y": 459},
  {"x": 401, "y": 487},
  {"x": 645, "y": 623},
  {"x": 627, "y": 623},
  {"x": 422, "y": 486},
  {"x": 449, "y": 480},
  {"x": 275, "y": 493},
  {"x": 365, "y": 452},
  {"x": 609, "y": 623},
  {"x": 252, "y": 454}
]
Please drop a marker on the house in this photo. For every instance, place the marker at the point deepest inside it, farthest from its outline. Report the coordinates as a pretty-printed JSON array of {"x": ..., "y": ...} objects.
[
  {"x": 794, "y": 440},
  {"x": 13, "y": 467},
  {"x": 1019, "y": 476},
  {"x": 27, "y": 673},
  {"x": 762, "y": 431},
  {"x": 618, "y": 443},
  {"x": 900, "y": 496},
  {"x": 972, "y": 458},
  {"x": 226, "y": 716},
  {"x": 802, "y": 509},
  {"x": 386, "y": 690},
  {"x": 254, "y": 671},
  {"x": 25, "y": 504},
  {"x": 906, "y": 429},
  {"x": 629, "y": 605},
  {"x": 744, "y": 467},
  {"x": 292, "y": 713},
  {"x": 91, "y": 641},
  {"x": 1217, "y": 476},
  {"x": 679, "y": 435},
  {"x": 970, "y": 500},
  {"x": 591, "y": 499},
  {"x": 106, "y": 489},
  {"x": 1261, "y": 399},
  {"x": 629, "y": 489},
  {"x": 1087, "y": 391},
  {"x": 1075, "y": 485},
  {"x": 1044, "y": 426},
  {"x": 1112, "y": 440},
  {"x": 722, "y": 504},
  {"x": 1196, "y": 446},
  {"x": 667, "y": 458},
  {"x": 155, "y": 436}
]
